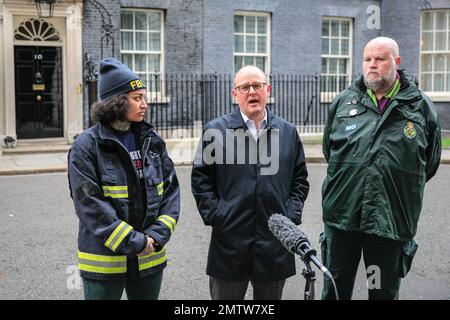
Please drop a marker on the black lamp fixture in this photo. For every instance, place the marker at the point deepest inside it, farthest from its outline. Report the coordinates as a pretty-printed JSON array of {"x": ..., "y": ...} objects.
[{"x": 45, "y": 8}]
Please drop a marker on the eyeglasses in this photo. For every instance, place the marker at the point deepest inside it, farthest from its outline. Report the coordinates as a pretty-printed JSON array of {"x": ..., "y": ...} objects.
[{"x": 245, "y": 88}]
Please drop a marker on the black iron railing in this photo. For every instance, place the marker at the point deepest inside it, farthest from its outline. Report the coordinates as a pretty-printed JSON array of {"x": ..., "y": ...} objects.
[{"x": 188, "y": 101}]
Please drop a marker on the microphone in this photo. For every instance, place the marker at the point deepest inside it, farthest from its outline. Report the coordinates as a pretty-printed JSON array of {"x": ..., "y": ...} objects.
[{"x": 293, "y": 239}]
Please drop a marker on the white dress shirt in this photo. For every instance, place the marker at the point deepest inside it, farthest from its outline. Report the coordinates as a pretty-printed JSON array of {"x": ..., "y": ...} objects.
[{"x": 252, "y": 127}]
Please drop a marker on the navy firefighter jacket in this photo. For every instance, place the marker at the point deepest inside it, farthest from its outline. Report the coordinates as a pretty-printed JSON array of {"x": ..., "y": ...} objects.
[{"x": 111, "y": 206}]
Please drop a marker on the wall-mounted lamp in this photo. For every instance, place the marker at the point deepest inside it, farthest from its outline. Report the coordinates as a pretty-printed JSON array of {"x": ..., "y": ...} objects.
[{"x": 45, "y": 8}]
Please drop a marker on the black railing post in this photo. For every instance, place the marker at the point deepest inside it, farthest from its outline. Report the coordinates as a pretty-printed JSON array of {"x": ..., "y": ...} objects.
[{"x": 91, "y": 79}]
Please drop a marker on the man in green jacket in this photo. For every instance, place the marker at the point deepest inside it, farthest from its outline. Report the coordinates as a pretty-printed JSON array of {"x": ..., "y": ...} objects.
[{"x": 382, "y": 143}]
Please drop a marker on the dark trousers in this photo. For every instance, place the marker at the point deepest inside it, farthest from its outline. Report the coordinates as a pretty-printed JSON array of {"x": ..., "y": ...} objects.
[
  {"x": 235, "y": 290},
  {"x": 384, "y": 260},
  {"x": 146, "y": 288}
]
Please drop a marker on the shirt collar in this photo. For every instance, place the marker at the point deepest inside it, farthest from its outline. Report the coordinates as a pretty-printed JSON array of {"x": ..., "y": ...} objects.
[{"x": 246, "y": 119}]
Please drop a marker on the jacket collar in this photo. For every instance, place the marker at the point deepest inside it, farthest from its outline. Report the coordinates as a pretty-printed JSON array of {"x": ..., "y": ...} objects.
[
  {"x": 408, "y": 89},
  {"x": 143, "y": 128},
  {"x": 235, "y": 120}
]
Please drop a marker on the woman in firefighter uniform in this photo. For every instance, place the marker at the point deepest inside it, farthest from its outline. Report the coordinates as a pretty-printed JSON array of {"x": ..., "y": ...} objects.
[{"x": 125, "y": 192}]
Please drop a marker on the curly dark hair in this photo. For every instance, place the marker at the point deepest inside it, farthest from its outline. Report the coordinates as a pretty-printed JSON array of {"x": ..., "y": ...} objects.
[{"x": 109, "y": 110}]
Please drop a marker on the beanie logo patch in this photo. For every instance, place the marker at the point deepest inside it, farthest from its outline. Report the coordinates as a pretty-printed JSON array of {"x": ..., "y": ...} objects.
[{"x": 136, "y": 84}]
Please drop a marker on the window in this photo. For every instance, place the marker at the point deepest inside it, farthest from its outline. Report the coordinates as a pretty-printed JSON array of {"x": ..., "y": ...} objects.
[
  {"x": 252, "y": 40},
  {"x": 435, "y": 51},
  {"x": 336, "y": 54},
  {"x": 142, "y": 50},
  {"x": 36, "y": 30}
]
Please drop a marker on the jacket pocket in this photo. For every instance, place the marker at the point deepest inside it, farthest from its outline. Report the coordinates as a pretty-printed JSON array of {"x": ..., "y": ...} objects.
[
  {"x": 289, "y": 210},
  {"x": 155, "y": 187},
  {"x": 218, "y": 220},
  {"x": 108, "y": 179},
  {"x": 152, "y": 166},
  {"x": 408, "y": 252}
]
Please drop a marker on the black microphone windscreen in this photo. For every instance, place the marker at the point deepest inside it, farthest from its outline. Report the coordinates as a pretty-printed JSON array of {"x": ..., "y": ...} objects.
[{"x": 285, "y": 231}]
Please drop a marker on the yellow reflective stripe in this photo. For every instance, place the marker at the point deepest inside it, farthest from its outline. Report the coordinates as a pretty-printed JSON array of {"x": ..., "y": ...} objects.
[
  {"x": 170, "y": 226},
  {"x": 102, "y": 264},
  {"x": 149, "y": 256},
  {"x": 117, "y": 236},
  {"x": 112, "y": 236},
  {"x": 172, "y": 220},
  {"x": 119, "y": 241},
  {"x": 115, "y": 188},
  {"x": 96, "y": 269},
  {"x": 116, "y": 195},
  {"x": 160, "y": 188},
  {"x": 168, "y": 221},
  {"x": 115, "y": 191},
  {"x": 97, "y": 257},
  {"x": 152, "y": 260}
]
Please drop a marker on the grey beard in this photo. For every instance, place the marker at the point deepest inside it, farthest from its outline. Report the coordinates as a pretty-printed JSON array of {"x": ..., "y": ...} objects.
[
  {"x": 382, "y": 85},
  {"x": 121, "y": 125}
]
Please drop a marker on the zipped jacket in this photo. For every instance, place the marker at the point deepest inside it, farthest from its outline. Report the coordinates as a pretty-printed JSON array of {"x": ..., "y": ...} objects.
[
  {"x": 108, "y": 200},
  {"x": 378, "y": 163}
]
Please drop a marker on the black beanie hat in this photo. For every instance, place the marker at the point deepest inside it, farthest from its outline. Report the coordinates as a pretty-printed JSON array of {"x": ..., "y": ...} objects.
[{"x": 116, "y": 78}]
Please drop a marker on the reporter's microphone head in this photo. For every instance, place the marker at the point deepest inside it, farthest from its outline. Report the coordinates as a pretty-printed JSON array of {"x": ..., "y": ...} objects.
[
  {"x": 294, "y": 240},
  {"x": 285, "y": 231}
]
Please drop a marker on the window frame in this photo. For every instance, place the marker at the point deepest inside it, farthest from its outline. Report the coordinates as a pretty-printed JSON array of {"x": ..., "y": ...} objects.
[
  {"x": 152, "y": 93},
  {"x": 327, "y": 96},
  {"x": 435, "y": 95},
  {"x": 267, "y": 55}
]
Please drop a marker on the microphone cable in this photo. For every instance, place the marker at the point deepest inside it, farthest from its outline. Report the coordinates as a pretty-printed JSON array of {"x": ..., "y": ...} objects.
[{"x": 334, "y": 286}]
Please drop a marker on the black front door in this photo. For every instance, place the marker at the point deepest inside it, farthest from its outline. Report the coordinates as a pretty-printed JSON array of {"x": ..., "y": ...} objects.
[{"x": 39, "y": 102}]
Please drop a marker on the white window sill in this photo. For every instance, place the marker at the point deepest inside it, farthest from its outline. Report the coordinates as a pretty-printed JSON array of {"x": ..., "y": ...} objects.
[
  {"x": 438, "y": 96},
  {"x": 328, "y": 97},
  {"x": 157, "y": 98}
]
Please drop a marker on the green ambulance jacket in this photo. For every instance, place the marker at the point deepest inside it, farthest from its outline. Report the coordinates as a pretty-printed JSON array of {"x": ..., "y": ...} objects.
[{"x": 378, "y": 163}]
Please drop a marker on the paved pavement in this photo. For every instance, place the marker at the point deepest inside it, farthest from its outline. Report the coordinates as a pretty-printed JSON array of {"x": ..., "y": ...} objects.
[{"x": 48, "y": 159}]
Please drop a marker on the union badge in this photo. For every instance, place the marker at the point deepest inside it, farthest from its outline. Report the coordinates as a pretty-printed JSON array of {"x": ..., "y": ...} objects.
[{"x": 409, "y": 130}]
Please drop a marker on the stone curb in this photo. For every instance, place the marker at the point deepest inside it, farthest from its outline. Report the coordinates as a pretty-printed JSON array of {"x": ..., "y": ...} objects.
[
  {"x": 33, "y": 170},
  {"x": 63, "y": 168}
]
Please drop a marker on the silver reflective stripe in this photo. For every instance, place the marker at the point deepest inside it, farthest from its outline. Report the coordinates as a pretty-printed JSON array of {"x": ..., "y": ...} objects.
[
  {"x": 96, "y": 263},
  {"x": 168, "y": 221},
  {"x": 154, "y": 259},
  {"x": 103, "y": 264},
  {"x": 115, "y": 191},
  {"x": 118, "y": 235}
]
